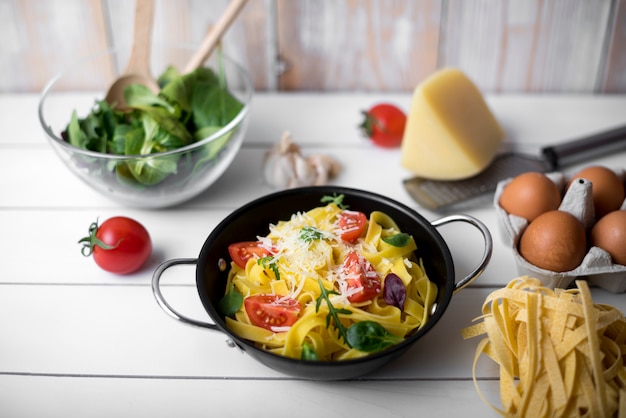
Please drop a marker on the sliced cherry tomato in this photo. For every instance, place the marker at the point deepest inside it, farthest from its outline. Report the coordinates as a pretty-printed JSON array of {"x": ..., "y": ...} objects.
[
  {"x": 352, "y": 224},
  {"x": 241, "y": 252},
  {"x": 359, "y": 273},
  {"x": 384, "y": 125},
  {"x": 269, "y": 311},
  {"x": 120, "y": 245}
]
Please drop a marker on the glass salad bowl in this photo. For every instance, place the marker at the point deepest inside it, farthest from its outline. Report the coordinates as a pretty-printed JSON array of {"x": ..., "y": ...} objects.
[{"x": 169, "y": 147}]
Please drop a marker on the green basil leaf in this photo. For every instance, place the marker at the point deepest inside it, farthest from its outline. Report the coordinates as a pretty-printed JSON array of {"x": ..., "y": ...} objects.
[
  {"x": 398, "y": 240},
  {"x": 370, "y": 336},
  {"x": 308, "y": 353},
  {"x": 231, "y": 302}
]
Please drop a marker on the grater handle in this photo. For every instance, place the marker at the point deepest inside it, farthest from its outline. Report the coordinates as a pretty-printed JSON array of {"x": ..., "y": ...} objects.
[{"x": 586, "y": 148}]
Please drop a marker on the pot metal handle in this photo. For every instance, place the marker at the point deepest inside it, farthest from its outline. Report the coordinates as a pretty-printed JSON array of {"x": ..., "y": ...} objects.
[
  {"x": 156, "y": 289},
  {"x": 486, "y": 253}
]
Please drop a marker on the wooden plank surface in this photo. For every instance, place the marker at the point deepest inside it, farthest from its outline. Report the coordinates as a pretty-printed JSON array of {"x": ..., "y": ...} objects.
[
  {"x": 355, "y": 45},
  {"x": 44, "y": 37},
  {"x": 80, "y": 341},
  {"x": 105, "y": 397},
  {"x": 614, "y": 80},
  {"x": 527, "y": 46},
  {"x": 557, "y": 46}
]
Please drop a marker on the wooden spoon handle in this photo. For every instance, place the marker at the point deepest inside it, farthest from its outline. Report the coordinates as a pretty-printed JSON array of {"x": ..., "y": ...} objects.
[
  {"x": 214, "y": 35},
  {"x": 139, "y": 61}
]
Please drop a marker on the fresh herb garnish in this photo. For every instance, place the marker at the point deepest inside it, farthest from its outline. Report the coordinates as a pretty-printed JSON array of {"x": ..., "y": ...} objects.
[
  {"x": 308, "y": 353},
  {"x": 394, "y": 291},
  {"x": 336, "y": 199},
  {"x": 231, "y": 302},
  {"x": 370, "y": 336},
  {"x": 333, "y": 313},
  {"x": 367, "y": 336},
  {"x": 310, "y": 233},
  {"x": 269, "y": 262},
  {"x": 398, "y": 240}
]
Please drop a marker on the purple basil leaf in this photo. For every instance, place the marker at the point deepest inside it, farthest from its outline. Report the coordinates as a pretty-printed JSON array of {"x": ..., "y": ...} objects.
[{"x": 394, "y": 291}]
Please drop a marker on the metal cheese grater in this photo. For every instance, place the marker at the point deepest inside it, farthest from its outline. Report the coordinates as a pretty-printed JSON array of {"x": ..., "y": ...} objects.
[{"x": 440, "y": 195}]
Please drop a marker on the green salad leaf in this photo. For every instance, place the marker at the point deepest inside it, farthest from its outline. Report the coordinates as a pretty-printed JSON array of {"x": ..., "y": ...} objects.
[{"x": 188, "y": 108}]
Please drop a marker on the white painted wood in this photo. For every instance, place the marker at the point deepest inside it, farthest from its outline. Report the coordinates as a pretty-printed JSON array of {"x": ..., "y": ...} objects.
[
  {"x": 80, "y": 341},
  {"x": 527, "y": 46},
  {"x": 387, "y": 45},
  {"x": 96, "y": 397}
]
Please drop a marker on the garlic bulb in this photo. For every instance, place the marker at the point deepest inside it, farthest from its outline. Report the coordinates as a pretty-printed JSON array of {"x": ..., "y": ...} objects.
[{"x": 285, "y": 167}]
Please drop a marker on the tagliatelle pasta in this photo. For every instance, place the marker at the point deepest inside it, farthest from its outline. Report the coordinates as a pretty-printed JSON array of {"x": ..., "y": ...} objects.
[
  {"x": 308, "y": 256},
  {"x": 560, "y": 355}
]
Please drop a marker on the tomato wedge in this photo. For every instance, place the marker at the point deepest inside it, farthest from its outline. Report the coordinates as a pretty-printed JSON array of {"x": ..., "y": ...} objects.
[
  {"x": 241, "y": 252},
  {"x": 352, "y": 224},
  {"x": 270, "y": 311},
  {"x": 359, "y": 273}
]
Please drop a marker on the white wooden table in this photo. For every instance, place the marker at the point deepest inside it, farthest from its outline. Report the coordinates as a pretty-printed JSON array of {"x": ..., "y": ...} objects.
[{"x": 77, "y": 341}]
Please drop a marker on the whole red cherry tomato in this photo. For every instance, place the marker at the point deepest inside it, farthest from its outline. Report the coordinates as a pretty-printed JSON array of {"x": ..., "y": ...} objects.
[
  {"x": 120, "y": 245},
  {"x": 384, "y": 125}
]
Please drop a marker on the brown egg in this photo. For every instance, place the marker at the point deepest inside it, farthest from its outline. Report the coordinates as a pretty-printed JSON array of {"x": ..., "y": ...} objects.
[
  {"x": 529, "y": 195},
  {"x": 606, "y": 188},
  {"x": 554, "y": 241},
  {"x": 609, "y": 233}
]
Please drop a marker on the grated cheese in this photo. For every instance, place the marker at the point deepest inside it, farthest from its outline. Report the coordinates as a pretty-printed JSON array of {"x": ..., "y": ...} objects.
[{"x": 307, "y": 250}]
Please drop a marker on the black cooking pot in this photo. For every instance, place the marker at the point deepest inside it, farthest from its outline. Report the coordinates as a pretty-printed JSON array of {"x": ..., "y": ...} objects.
[{"x": 254, "y": 218}]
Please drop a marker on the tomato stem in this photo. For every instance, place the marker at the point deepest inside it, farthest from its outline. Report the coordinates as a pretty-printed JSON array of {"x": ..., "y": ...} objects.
[
  {"x": 90, "y": 242},
  {"x": 369, "y": 123},
  {"x": 367, "y": 126}
]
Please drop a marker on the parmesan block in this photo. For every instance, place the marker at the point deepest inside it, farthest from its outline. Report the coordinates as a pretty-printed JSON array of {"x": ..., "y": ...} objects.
[{"x": 450, "y": 132}]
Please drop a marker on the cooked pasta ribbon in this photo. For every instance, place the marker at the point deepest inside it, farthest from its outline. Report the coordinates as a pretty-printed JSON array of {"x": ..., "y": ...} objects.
[
  {"x": 560, "y": 355},
  {"x": 308, "y": 250}
]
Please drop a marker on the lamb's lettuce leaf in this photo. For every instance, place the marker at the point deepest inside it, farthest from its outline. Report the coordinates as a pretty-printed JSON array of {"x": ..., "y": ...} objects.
[{"x": 189, "y": 108}]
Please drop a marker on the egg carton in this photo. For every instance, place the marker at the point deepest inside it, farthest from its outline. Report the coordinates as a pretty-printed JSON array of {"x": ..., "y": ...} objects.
[{"x": 597, "y": 267}]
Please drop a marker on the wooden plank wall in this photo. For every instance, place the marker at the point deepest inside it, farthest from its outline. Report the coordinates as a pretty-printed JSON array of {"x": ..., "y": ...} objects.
[{"x": 505, "y": 46}]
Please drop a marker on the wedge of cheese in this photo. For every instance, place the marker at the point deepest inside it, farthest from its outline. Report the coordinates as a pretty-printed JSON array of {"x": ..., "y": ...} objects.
[{"x": 450, "y": 132}]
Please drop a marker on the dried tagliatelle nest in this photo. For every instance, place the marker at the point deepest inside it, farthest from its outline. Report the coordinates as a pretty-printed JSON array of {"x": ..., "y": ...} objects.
[
  {"x": 560, "y": 355},
  {"x": 285, "y": 167}
]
